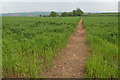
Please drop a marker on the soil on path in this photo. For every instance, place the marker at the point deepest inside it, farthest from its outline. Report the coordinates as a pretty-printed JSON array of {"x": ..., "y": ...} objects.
[{"x": 72, "y": 59}]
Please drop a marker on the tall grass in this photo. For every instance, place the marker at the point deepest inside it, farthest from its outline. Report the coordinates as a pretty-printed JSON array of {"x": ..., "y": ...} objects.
[
  {"x": 29, "y": 43},
  {"x": 102, "y": 37},
  {"x": 0, "y": 47}
]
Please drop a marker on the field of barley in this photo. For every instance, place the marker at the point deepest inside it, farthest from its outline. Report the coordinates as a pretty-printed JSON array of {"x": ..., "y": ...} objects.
[
  {"x": 102, "y": 37},
  {"x": 29, "y": 44}
]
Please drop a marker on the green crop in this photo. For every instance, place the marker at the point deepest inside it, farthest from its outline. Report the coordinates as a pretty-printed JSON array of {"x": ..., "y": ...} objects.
[
  {"x": 102, "y": 38},
  {"x": 30, "y": 43}
]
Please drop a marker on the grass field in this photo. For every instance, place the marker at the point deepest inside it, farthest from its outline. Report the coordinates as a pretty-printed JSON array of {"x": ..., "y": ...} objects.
[
  {"x": 29, "y": 43},
  {"x": 102, "y": 37}
]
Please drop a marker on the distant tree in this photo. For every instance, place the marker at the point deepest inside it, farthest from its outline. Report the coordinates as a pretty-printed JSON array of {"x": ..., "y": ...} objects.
[
  {"x": 45, "y": 16},
  {"x": 40, "y": 15},
  {"x": 79, "y": 12},
  {"x": 53, "y": 14},
  {"x": 70, "y": 14},
  {"x": 74, "y": 13},
  {"x": 59, "y": 15},
  {"x": 64, "y": 14}
]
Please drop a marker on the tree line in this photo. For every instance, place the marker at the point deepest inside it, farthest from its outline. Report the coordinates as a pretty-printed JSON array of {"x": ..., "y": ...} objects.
[{"x": 77, "y": 12}]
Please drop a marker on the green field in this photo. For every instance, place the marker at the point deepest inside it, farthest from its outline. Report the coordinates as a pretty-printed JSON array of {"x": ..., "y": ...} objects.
[
  {"x": 102, "y": 14},
  {"x": 102, "y": 38},
  {"x": 29, "y": 43}
]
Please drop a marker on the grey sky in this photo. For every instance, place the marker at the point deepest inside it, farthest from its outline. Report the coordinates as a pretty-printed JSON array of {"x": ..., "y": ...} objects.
[
  {"x": 98, "y": 6},
  {"x": 59, "y": 0}
]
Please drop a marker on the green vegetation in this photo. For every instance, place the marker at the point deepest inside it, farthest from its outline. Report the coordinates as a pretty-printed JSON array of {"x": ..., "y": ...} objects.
[
  {"x": 29, "y": 43},
  {"x": 53, "y": 14},
  {"x": 77, "y": 12},
  {"x": 101, "y": 14},
  {"x": 108, "y": 13},
  {"x": 0, "y": 47},
  {"x": 64, "y": 14},
  {"x": 102, "y": 37}
]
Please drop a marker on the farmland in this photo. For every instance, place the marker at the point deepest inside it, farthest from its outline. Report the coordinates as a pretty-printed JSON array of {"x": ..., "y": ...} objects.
[
  {"x": 101, "y": 14},
  {"x": 102, "y": 38},
  {"x": 29, "y": 43}
]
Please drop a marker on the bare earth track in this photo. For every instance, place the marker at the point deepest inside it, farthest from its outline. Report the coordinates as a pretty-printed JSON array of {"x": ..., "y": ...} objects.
[{"x": 72, "y": 58}]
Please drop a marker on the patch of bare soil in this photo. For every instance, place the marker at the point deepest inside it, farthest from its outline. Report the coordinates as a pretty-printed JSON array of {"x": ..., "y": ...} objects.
[{"x": 72, "y": 59}]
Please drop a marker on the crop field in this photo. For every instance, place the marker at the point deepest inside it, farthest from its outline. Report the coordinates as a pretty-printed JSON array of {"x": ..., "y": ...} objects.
[
  {"x": 102, "y": 38},
  {"x": 103, "y": 14},
  {"x": 30, "y": 43}
]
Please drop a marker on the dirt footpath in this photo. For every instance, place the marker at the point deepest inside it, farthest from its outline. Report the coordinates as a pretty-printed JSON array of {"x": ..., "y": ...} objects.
[{"x": 72, "y": 58}]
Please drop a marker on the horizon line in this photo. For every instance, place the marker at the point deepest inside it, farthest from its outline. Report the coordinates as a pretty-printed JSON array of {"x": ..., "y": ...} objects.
[{"x": 61, "y": 11}]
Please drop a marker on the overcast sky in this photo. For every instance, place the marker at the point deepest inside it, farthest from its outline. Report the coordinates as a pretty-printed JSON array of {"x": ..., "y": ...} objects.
[
  {"x": 59, "y": 0},
  {"x": 11, "y": 6}
]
